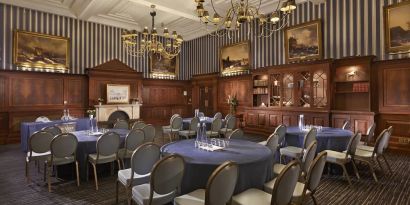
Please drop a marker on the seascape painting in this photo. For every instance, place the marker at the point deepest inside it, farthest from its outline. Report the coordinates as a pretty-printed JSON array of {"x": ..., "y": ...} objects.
[
  {"x": 303, "y": 42},
  {"x": 235, "y": 58},
  {"x": 35, "y": 50},
  {"x": 162, "y": 65},
  {"x": 397, "y": 28}
]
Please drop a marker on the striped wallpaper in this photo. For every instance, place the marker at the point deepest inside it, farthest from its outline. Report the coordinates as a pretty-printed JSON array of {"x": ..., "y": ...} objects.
[{"x": 350, "y": 28}]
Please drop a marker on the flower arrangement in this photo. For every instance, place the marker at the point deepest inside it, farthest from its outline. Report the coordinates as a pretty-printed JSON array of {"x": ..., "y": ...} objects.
[
  {"x": 233, "y": 103},
  {"x": 91, "y": 112}
]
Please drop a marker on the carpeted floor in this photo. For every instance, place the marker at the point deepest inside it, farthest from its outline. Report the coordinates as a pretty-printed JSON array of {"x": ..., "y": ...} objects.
[{"x": 391, "y": 189}]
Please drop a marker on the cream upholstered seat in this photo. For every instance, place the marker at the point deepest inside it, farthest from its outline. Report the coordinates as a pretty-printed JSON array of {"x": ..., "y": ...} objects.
[
  {"x": 193, "y": 128},
  {"x": 236, "y": 134},
  {"x": 342, "y": 158},
  {"x": 134, "y": 139},
  {"x": 297, "y": 152},
  {"x": 149, "y": 133},
  {"x": 281, "y": 194},
  {"x": 176, "y": 125},
  {"x": 307, "y": 160},
  {"x": 142, "y": 161},
  {"x": 230, "y": 124},
  {"x": 107, "y": 151},
  {"x": 165, "y": 180},
  {"x": 121, "y": 124},
  {"x": 281, "y": 132},
  {"x": 38, "y": 149},
  {"x": 219, "y": 189},
  {"x": 63, "y": 149},
  {"x": 314, "y": 174},
  {"x": 215, "y": 127}
]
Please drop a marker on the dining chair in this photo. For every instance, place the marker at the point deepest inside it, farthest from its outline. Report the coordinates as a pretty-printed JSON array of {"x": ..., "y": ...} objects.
[
  {"x": 346, "y": 125},
  {"x": 215, "y": 127},
  {"x": 236, "y": 134},
  {"x": 281, "y": 132},
  {"x": 229, "y": 115},
  {"x": 165, "y": 182},
  {"x": 138, "y": 125},
  {"x": 272, "y": 144},
  {"x": 219, "y": 188},
  {"x": 133, "y": 139},
  {"x": 297, "y": 152},
  {"x": 229, "y": 126},
  {"x": 63, "y": 149},
  {"x": 107, "y": 151},
  {"x": 369, "y": 136},
  {"x": 308, "y": 156},
  {"x": 54, "y": 130},
  {"x": 173, "y": 131},
  {"x": 38, "y": 150},
  {"x": 149, "y": 133},
  {"x": 170, "y": 121},
  {"x": 121, "y": 124},
  {"x": 142, "y": 161},
  {"x": 314, "y": 174},
  {"x": 193, "y": 128},
  {"x": 218, "y": 115},
  {"x": 282, "y": 191},
  {"x": 369, "y": 158},
  {"x": 343, "y": 158}
]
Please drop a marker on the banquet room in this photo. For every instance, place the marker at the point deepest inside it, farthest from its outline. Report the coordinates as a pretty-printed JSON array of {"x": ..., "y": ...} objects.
[{"x": 212, "y": 102}]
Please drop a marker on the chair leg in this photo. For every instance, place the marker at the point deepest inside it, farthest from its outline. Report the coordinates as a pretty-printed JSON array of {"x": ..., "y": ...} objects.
[
  {"x": 314, "y": 199},
  {"x": 48, "y": 170},
  {"x": 355, "y": 169},
  {"x": 372, "y": 170},
  {"x": 122, "y": 163},
  {"x": 116, "y": 192},
  {"x": 45, "y": 171},
  {"x": 95, "y": 176},
  {"x": 119, "y": 164},
  {"x": 27, "y": 172},
  {"x": 77, "y": 173},
  {"x": 380, "y": 164},
  {"x": 346, "y": 174},
  {"x": 388, "y": 165},
  {"x": 128, "y": 192}
]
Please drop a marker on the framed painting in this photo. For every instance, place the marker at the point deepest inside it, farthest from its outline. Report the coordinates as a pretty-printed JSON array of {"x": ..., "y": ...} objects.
[
  {"x": 36, "y": 50},
  {"x": 235, "y": 58},
  {"x": 164, "y": 66},
  {"x": 118, "y": 94},
  {"x": 304, "y": 42},
  {"x": 397, "y": 28}
]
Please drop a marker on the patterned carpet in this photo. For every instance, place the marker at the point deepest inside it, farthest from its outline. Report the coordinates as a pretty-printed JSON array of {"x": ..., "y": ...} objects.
[{"x": 391, "y": 189}]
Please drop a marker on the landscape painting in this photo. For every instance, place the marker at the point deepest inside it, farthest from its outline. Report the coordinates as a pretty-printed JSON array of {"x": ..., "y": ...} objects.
[
  {"x": 165, "y": 66},
  {"x": 304, "y": 42},
  {"x": 35, "y": 50},
  {"x": 397, "y": 28},
  {"x": 235, "y": 58}
]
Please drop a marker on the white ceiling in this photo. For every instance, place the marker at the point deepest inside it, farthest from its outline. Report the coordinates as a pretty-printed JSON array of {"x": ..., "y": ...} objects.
[{"x": 178, "y": 15}]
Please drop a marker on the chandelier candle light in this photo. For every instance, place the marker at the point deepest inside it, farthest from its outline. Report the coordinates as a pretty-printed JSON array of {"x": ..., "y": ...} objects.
[
  {"x": 240, "y": 13},
  {"x": 168, "y": 45}
]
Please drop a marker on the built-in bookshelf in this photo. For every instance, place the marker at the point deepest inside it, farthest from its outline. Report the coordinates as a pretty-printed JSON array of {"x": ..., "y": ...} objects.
[{"x": 260, "y": 90}]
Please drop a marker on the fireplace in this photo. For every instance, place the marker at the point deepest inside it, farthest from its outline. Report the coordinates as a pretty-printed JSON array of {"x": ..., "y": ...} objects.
[{"x": 110, "y": 113}]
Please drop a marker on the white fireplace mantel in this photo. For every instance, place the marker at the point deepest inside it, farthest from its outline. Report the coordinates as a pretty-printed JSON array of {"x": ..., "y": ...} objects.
[{"x": 104, "y": 111}]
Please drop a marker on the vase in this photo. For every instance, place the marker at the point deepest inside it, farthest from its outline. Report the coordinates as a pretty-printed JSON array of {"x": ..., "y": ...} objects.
[{"x": 100, "y": 103}]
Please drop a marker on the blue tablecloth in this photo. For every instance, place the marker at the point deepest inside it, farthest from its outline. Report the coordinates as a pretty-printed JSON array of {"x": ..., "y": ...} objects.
[
  {"x": 87, "y": 145},
  {"x": 28, "y": 128},
  {"x": 208, "y": 122},
  {"x": 329, "y": 138},
  {"x": 254, "y": 160}
]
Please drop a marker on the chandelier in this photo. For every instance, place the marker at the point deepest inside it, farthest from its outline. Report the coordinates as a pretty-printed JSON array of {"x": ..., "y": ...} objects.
[
  {"x": 240, "y": 13},
  {"x": 136, "y": 44}
]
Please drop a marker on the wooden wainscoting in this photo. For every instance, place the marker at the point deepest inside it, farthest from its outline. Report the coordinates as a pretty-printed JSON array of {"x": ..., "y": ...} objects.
[
  {"x": 163, "y": 98},
  {"x": 394, "y": 101},
  {"x": 239, "y": 86},
  {"x": 27, "y": 95}
]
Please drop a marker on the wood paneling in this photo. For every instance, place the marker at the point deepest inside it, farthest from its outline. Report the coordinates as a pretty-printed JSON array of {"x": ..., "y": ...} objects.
[
  {"x": 36, "y": 91},
  {"x": 400, "y": 139}
]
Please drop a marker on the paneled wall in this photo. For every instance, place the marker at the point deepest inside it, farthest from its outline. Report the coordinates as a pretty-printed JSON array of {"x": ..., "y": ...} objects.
[
  {"x": 350, "y": 28},
  {"x": 91, "y": 43},
  {"x": 27, "y": 95}
]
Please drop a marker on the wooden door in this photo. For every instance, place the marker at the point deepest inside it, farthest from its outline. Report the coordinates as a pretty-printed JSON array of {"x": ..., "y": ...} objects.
[{"x": 206, "y": 101}]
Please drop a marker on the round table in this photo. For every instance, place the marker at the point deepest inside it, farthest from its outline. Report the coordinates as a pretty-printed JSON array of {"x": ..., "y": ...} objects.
[
  {"x": 328, "y": 138},
  {"x": 254, "y": 160}
]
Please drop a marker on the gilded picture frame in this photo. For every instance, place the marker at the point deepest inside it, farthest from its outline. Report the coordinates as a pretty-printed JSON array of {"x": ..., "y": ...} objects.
[
  {"x": 118, "y": 94},
  {"x": 37, "y": 50},
  {"x": 235, "y": 57},
  {"x": 397, "y": 28},
  {"x": 303, "y": 42},
  {"x": 163, "y": 66}
]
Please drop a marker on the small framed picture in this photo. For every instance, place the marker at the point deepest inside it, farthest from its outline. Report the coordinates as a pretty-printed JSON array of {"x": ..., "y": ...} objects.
[{"x": 118, "y": 94}]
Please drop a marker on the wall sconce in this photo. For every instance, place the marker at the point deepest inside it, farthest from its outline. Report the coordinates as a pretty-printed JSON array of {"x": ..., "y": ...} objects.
[
  {"x": 350, "y": 75},
  {"x": 185, "y": 93}
]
